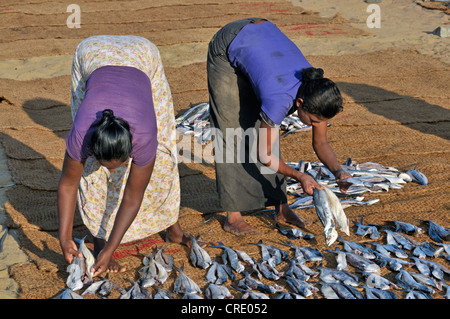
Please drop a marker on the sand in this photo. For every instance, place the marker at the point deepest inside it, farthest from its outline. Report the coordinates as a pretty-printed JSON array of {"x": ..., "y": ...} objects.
[{"x": 396, "y": 112}]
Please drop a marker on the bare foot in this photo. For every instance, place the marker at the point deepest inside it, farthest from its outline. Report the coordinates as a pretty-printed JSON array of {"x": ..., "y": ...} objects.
[
  {"x": 115, "y": 267},
  {"x": 175, "y": 234},
  {"x": 236, "y": 225},
  {"x": 285, "y": 214}
]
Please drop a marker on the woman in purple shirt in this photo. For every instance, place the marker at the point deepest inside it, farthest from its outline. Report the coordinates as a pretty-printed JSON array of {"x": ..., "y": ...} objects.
[
  {"x": 256, "y": 77},
  {"x": 120, "y": 167}
]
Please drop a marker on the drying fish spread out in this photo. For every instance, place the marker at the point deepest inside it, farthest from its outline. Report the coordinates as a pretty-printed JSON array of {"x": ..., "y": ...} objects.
[
  {"x": 196, "y": 121},
  {"x": 390, "y": 261}
]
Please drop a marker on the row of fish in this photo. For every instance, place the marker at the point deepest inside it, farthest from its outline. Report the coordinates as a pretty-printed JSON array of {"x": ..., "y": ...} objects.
[
  {"x": 365, "y": 177},
  {"x": 303, "y": 277},
  {"x": 196, "y": 121}
]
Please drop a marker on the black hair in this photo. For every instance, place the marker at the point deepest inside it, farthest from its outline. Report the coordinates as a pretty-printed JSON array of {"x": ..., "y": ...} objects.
[
  {"x": 111, "y": 138},
  {"x": 320, "y": 95}
]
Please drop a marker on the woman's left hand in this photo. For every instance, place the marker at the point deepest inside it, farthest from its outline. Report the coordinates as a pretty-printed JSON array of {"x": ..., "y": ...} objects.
[{"x": 341, "y": 176}]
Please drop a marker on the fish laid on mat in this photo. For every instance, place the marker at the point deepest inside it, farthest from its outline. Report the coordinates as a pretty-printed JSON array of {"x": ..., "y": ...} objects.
[
  {"x": 199, "y": 257},
  {"x": 183, "y": 284}
]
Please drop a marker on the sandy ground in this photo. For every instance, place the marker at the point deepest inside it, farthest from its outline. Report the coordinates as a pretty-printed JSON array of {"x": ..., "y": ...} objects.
[{"x": 394, "y": 80}]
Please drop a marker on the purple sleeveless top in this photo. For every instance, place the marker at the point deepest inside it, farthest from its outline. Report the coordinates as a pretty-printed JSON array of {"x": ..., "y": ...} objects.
[
  {"x": 127, "y": 92},
  {"x": 273, "y": 64}
]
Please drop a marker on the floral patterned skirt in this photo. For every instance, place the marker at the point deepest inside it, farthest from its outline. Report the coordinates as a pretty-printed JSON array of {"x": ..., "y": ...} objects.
[{"x": 100, "y": 191}]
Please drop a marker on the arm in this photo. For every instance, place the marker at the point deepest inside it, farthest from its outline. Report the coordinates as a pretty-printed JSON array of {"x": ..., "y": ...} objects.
[
  {"x": 66, "y": 202},
  {"x": 326, "y": 155},
  {"x": 135, "y": 187},
  {"x": 267, "y": 138}
]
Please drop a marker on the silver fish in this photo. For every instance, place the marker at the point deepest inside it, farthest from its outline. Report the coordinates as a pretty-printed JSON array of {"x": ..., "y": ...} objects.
[
  {"x": 364, "y": 230},
  {"x": 250, "y": 293},
  {"x": 356, "y": 261},
  {"x": 162, "y": 293},
  {"x": 288, "y": 295},
  {"x": 67, "y": 293},
  {"x": 163, "y": 259},
  {"x": 331, "y": 276},
  {"x": 379, "y": 282},
  {"x": 295, "y": 270},
  {"x": 250, "y": 283},
  {"x": 231, "y": 256},
  {"x": 394, "y": 264},
  {"x": 414, "y": 294},
  {"x": 358, "y": 202},
  {"x": 76, "y": 270},
  {"x": 426, "y": 280},
  {"x": 270, "y": 251},
  {"x": 191, "y": 295},
  {"x": 387, "y": 249},
  {"x": 374, "y": 293},
  {"x": 244, "y": 256},
  {"x": 357, "y": 248},
  {"x": 343, "y": 291},
  {"x": 399, "y": 240},
  {"x": 305, "y": 201},
  {"x": 89, "y": 259},
  {"x": 136, "y": 291},
  {"x": 417, "y": 176},
  {"x": 304, "y": 253},
  {"x": 301, "y": 287},
  {"x": 217, "y": 292},
  {"x": 437, "y": 232},
  {"x": 219, "y": 273},
  {"x": 293, "y": 233},
  {"x": 406, "y": 281},
  {"x": 323, "y": 210},
  {"x": 153, "y": 273},
  {"x": 407, "y": 228},
  {"x": 267, "y": 269},
  {"x": 103, "y": 287},
  {"x": 183, "y": 284},
  {"x": 199, "y": 257}
]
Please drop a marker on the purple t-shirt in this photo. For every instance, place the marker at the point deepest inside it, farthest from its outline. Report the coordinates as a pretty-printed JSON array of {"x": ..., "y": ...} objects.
[
  {"x": 273, "y": 64},
  {"x": 127, "y": 92}
]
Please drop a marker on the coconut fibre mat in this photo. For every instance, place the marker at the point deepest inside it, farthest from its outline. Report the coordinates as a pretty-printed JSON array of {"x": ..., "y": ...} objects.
[{"x": 396, "y": 112}]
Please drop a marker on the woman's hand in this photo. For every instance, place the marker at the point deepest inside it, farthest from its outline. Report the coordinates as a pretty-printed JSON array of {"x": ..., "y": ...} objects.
[
  {"x": 70, "y": 250},
  {"x": 308, "y": 183},
  {"x": 341, "y": 176},
  {"x": 105, "y": 263}
]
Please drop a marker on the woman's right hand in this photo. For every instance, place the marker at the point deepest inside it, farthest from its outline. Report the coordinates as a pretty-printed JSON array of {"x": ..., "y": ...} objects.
[
  {"x": 70, "y": 250},
  {"x": 308, "y": 183}
]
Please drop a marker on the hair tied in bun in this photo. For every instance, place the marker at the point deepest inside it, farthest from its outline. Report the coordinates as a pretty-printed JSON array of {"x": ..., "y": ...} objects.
[{"x": 309, "y": 74}]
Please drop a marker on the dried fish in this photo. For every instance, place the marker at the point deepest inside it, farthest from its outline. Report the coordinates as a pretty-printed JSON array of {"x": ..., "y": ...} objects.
[
  {"x": 304, "y": 253},
  {"x": 437, "y": 232},
  {"x": 301, "y": 287},
  {"x": 89, "y": 260},
  {"x": 136, "y": 291},
  {"x": 331, "y": 276},
  {"x": 217, "y": 292},
  {"x": 407, "y": 228},
  {"x": 364, "y": 230},
  {"x": 219, "y": 273},
  {"x": 183, "y": 284},
  {"x": 199, "y": 257},
  {"x": 417, "y": 176},
  {"x": 357, "y": 248},
  {"x": 250, "y": 293},
  {"x": 67, "y": 293},
  {"x": 270, "y": 251},
  {"x": 293, "y": 233},
  {"x": 229, "y": 255},
  {"x": 76, "y": 270},
  {"x": 249, "y": 283},
  {"x": 406, "y": 281},
  {"x": 374, "y": 293}
]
